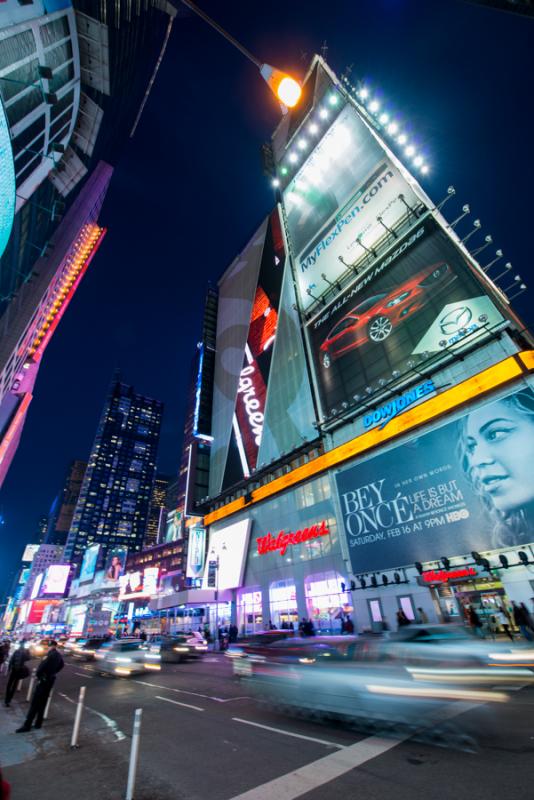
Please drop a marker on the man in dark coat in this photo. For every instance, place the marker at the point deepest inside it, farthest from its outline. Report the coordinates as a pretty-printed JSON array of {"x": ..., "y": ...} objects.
[
  {"x": 47, "y": 670},
  {"x": 17, "y": 671}
]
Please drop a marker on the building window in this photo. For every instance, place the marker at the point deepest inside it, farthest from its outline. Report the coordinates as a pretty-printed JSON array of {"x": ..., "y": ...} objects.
[
  {"x": 249, "y": 611},
  {"x": 325, "y": 602},
  {"x": 16, "y": 48},
  {"x": 376, "y": 614},
  {"x": 406, "y": 604},
  {"x": 55, "y": 31},
  {"x": 283, "y": 604}
]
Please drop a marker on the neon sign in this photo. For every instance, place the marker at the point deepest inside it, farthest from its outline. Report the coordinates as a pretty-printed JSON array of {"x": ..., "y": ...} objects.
[
  {"x": 388, "y": 411},
  {"x": 444, "y": 575},
  {"x": 270, "y": 543}
]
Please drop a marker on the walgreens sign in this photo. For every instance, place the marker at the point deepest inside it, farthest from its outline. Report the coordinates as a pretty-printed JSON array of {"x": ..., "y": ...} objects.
[{"x": 280, "y": 543}]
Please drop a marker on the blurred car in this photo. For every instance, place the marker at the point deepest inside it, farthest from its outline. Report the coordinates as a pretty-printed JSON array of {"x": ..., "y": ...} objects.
[
  {"x": 284, "y": 646},
  {"x": 399, "y": 679},
  {"x": 62, "y": 641},
  {"x": 178, "y": 647},
  {"x": 71, "y": 643},
  {"x": 39, "y": 648},
  {"x": 85, "y": 649},
  {"x": 374, "y": 319},
  {"x": 126, "y": 657}
]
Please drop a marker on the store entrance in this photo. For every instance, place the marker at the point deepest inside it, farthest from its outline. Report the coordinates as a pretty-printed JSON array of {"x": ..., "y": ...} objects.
[{"x": 487, "y": 596}]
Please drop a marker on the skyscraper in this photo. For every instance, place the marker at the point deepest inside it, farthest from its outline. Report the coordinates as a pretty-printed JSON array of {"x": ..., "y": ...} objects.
[
  {"x": 156, "y": 516},
  {"x": 60, "y": 517},
  {"x": 114, "y": 501}
]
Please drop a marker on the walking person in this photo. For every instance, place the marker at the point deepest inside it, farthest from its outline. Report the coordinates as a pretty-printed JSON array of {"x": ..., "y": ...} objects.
[
  {"x": 17, "y": 671},
  {"x": 521, "y": 620},
  {"x": 422, "y": 616},
  {"x": 475, "y": 622},
  {"x": 47, "y": 671}
]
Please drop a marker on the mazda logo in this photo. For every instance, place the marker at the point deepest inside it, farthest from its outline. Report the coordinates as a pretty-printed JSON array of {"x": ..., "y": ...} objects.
[{"x": 455, "y": 319}]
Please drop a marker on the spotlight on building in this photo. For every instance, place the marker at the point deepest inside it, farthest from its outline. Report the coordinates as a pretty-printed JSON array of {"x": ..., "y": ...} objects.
[
  {"x": 363, "y": 582},
  {"x": 352, "y": 586},
  {"x": 503, "y": 560},
  {"x": 446, "y": 562},
  {"x": 385, "y": 580},
  {"x": 477, "y": 558},
  {"x": 396, "y": 577},
  {"x": 419, "y": 567},
  {"x": 374, "y": 582},
  {"x": 523, "y": 557}
]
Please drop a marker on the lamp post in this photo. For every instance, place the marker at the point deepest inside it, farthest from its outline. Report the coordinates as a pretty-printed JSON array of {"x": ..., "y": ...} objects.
[{"x": 286, "y": 89}]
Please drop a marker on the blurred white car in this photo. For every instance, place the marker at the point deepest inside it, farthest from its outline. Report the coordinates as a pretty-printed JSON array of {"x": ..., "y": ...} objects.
[{"x": 125, "y": 657}]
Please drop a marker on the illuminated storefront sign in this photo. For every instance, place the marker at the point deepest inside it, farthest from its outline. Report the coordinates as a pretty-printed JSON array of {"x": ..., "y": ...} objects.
[
  {"x": 445, "y": 575},
  {"x": 272, "y": 544},
  {"x": 389, "y": 410}
]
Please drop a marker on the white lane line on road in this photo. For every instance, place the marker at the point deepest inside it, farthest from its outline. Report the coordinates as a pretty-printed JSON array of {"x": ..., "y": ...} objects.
[
  {"x": 176, "y": 703},
  {"x": 185, "y": 691},
  {"x": 112, "y": 725},
  {"x": 311, "y": 776},
  {"x": 290, "y": 733},
  {"x": 83, "y": 675}
]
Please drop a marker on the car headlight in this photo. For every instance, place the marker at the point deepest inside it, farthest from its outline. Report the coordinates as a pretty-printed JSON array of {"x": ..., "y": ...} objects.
[
  {"x": 123, "y": 660},
  {"x": 181, "y": 649}
]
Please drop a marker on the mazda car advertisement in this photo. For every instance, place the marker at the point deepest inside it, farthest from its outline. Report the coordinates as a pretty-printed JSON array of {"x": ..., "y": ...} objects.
[
  {"x": 419, "y": 300},
  {"x": 463, "y": 487},
  {"x": 335, "y": 202}
]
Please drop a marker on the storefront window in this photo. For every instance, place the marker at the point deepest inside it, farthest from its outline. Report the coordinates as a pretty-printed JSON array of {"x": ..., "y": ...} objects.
[
  {"x": 375, "y": 612},
  {"x": 406, "y": 605},
  {"x": 249, "y": 611},
  {"x": 327, "y": 605},
  {"x": 283, "y": 605}
]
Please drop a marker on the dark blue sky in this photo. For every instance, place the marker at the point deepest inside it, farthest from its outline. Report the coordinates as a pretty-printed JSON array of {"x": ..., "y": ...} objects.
[{"x": 189, "y": 191}]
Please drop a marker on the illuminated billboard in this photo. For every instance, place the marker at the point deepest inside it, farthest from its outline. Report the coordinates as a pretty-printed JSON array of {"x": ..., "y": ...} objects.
[
  {"x": 173, "y": 527},
  {"x": 141, "y": 583},
  {"x": 227, "y": 550},
  {"x": 333, "y": 203},
  {"x": 36, "y": 588},
  {"x": 90, "y": 560},
  {"x": 29, "y": 552},
  {"x": 196, "y": 548},
  {"x": 115, "y": 563},
  {"x": 419, "y": 300},
  {"x": 464, "y": 486},
  {"x": 55, "y": 579}
]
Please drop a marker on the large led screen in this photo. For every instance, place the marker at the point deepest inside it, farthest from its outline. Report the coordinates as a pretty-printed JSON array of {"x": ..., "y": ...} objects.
[
  {"x": 89, "y": 563},
  {"x": 115, "y": 563},
  {"x": 55, "y": 579},
  {"x": 419, "y": 300},
  {"x": 334, "y": 201},
  {"x": 462, "y": 487}
]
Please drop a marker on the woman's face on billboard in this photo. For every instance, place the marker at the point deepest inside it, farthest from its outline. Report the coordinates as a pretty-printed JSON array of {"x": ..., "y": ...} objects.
[{"x": 500, "y": 451}]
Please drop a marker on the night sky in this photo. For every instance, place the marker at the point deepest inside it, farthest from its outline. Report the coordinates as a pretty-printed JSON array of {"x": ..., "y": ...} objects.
[{"x": 189, "y": 192}]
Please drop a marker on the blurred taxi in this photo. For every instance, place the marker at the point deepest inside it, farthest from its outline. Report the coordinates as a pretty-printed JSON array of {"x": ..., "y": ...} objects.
[{"x": 124, "y": 657}]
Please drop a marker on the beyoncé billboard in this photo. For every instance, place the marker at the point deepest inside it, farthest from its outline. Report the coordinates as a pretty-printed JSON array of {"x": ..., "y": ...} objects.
[
  {"x": 421, "y": 299},
  {"x": 462, "y": 487}
]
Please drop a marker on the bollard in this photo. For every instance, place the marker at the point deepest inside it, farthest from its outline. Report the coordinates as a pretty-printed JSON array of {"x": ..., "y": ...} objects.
[
  {"x": 31, "y": 684},
  {"x": 134, "y": 753},
  {"x": 19, "y": 685},
  {"x": 77, "y": 719},
  {"x": 47, "y": 708}
]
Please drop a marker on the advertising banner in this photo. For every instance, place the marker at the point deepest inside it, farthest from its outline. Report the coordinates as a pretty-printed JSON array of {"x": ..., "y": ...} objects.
[
  {"x": 173, "y": 527},
  {"x": 142, "y": 583},
  {"x": 90, "y": 560},
  {"x": 55, "y": 579},
  {"x": 196, "y": 548},
  {"x": 462, "y": 487},
  {"x": 420, "y": 299},
  {"x": 227, "y": 555},
  {"x": 29, "y": 552},
  {"x": 333, "y": 203},
  {"x": 115, "y": 563},
  {"x": 36, "y": 588}
]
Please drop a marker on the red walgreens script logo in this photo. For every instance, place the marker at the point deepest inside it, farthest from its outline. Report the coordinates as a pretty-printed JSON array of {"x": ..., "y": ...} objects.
[
  {"x": 270, "y": 543},
  {"x": 444, "y": 575}
]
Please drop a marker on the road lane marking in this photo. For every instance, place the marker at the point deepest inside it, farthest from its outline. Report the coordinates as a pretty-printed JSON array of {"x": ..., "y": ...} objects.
[
  {"x": 176, "y": 703},
  {"x": 194, "y": 694},
  {"x": 317, "y": 773},
  {"x": 111, "y": 724},
  {"x": 290, "y": 733},
  {"x": 83, "y": 675}
]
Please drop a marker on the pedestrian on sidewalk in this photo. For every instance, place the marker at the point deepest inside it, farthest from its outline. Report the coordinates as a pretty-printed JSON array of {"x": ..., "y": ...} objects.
[
  {"x": 47, "y": 671},
  {"x": 17, "y": 671},
  {"x": 521, "y": 620}
]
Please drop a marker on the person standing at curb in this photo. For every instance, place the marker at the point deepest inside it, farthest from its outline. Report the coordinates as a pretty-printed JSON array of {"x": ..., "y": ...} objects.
[
  {"x": 17, "y": 671},
  {"x": 46, "y": 674}
]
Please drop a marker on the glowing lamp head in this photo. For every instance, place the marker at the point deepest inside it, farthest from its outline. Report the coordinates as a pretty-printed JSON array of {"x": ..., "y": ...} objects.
[{"x": 286, "y": 88}]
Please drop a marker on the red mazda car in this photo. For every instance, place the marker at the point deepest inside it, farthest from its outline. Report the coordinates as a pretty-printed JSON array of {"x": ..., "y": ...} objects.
[{"x": 374, "y": 319}]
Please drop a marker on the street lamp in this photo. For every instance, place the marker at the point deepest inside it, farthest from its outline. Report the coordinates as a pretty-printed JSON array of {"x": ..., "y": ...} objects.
[
  {"x": 285, "y": 88},
  {"x": 214, "y": 564}
]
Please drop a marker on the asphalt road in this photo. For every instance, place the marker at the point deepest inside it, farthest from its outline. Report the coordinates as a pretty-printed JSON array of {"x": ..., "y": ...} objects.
[{"x": 204, "y": 738}]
